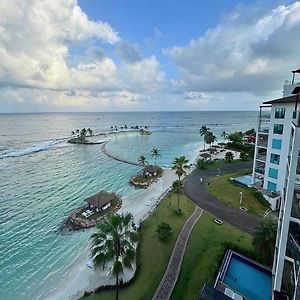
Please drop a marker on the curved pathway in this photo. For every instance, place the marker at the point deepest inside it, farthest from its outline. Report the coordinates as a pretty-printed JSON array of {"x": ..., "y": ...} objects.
[
  {"x": 105, "y": 151},
  {"x": 168, "y": 282},
  {"x": 196, "y": 191}
]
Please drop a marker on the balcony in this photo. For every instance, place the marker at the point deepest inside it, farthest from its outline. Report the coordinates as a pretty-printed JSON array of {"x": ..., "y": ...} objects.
[
  {"x": 296, "y": 205},
  {"x": 261, "y": 157},
  {"x": 262, "y": 143},
  {"x": 260, "y": 170}
]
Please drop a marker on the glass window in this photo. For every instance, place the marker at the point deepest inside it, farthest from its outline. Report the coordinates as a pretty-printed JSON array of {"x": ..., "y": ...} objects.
[
  {"x": 279, "y": 113},
  {"x": 273, "y": 173},
  {"x": 271, "y": 186},
  {"x": 275, "y": 158},
  {"x": 276, "y": 144},
  {"x": 278, "y": 128}
]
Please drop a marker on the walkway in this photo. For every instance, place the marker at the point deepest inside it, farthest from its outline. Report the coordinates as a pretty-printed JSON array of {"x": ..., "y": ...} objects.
[
  {"x": 168, "y": 282},
  {"x": 105, "y": 151},
  {"x": 196, "y": 191}
]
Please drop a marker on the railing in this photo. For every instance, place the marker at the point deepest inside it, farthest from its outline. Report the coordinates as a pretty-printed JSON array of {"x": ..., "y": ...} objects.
[
  {"x": 263, "y": 143},
  {"x": 261, "y": 157},
  {"x": 260, "y": 170}
]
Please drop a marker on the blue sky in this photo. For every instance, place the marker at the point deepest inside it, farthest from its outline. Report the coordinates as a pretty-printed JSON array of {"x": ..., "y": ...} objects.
[{"x": 95, "y": 55}]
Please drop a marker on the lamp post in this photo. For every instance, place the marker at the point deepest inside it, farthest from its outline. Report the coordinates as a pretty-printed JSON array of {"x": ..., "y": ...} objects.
[
  {"x": 241, "y": 197},
  {"x": 219, "y": 172}
]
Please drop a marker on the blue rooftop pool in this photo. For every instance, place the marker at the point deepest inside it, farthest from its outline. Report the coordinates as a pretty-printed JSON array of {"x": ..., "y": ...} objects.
[{"x": 247, "y": 278}]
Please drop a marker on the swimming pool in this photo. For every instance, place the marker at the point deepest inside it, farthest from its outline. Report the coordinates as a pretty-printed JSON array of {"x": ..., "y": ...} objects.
[
  {"x": 246, "y": 277},
  {"x": 244, "y": 180}
]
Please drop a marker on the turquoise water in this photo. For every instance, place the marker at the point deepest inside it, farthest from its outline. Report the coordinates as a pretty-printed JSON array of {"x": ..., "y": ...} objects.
[
  {"x": 245, "y": 180},
  {"x": 42, "y": 179},
  {"x": 250, "y": 281}
]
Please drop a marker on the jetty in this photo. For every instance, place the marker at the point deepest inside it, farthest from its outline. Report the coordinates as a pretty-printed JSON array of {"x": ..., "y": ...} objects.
[{"x": 107, "y": 153}]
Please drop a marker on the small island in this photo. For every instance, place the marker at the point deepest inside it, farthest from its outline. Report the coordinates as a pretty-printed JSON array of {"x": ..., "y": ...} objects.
[
  {"x": 98, "y": 205},
  {"x": 144, "y": 132},
  {"x": 147, "y": 176},
  {"x": 80, "y": 137}
]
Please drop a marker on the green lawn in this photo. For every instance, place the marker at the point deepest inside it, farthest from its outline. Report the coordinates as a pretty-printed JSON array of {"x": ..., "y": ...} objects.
[
  {"x": 201, "y": 254},
  {"x": 154, "y": 254},
  {"x": 225, "y": 190}
]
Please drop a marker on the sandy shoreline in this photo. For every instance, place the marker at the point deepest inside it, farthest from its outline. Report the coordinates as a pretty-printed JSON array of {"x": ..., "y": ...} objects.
[{"x": 81, "y": 278}]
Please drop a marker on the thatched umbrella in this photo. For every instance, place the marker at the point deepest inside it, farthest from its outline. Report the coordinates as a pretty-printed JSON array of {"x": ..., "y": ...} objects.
[
  {"x": 205, "y": 156},
  {"x": 222, "y": 144},
  {"x": 211, "y": 150}
]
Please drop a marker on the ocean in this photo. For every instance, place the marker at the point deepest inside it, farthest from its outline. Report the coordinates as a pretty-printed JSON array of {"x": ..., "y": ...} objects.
[{"x": 43, "y": 179}]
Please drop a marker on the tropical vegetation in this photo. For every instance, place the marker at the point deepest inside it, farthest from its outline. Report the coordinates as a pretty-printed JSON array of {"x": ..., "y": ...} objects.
[
  {"x": 142, "y": 160},
  {"x": 203, "y": 131},
  {"x": 177, "y": 188},
  {"x": 264, "y": 239},
  {"x": 229, "y": 156},
  {"x": 164, "y": 231},
  {"x": 179, "y": 165},
  {"x": 155, "y": 153},
  {"x": 114, "y": 242}
]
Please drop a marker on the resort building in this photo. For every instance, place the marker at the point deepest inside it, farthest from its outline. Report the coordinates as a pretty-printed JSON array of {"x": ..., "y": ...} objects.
[
  {"x": 276, "y": 172},
  {"x": 101, "y": 200}
]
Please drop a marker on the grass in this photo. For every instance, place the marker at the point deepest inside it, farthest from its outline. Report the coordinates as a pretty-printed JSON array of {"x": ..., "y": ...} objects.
[
  {"x": 229, "y": 192},
  {"x": 202, "y": 252},
  {"x": 154, "y": 255}
]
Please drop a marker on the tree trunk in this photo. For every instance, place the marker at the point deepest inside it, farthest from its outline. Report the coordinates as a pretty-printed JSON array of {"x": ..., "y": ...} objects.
[
  {"x": 117, "y": 287},
  {"x": 178, "y": 202},
  {"x": 204, "y": 143}
]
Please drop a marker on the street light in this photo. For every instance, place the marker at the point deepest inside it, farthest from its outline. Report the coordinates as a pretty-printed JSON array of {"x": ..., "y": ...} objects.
[
  {"x": 219, "y": 172},
  {"x": 241, "y": 197}
]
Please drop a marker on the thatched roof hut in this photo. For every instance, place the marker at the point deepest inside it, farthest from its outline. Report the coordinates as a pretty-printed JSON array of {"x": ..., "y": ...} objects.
[
  {"x": 100, "y": 199},
  {"x": 151, "y": 169}
]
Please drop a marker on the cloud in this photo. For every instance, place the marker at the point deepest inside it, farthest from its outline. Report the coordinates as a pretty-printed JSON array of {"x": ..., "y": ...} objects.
[
  {"x": 249, "y": 51},
  {"x": 128, "y": 52}
]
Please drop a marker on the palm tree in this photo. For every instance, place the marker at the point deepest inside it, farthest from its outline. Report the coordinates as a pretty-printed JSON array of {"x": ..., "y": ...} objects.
[
  {"x": 177, "y": 189},
  {"x": 112, "y": 128},
  {"x": 142, "y": 160},
  {"x": 229, "y": 156},
  {"x": 179, "y": 164},
  {"x": 224, "y": 135},
  {"x": 125, "y": 127},
  {"x": 264, "y": 239},
  {"x": 82, "y": 134},
  {"x": 77, "y": 131},
  {"x": 73, "y": 133},
  {"x": 209, "y": 138},
  {"x": 114, "y": 242},
  {"x": 155, "y": 153},
  {"x": 90, "y": 131},
  {"x": 203, "y": 131}
]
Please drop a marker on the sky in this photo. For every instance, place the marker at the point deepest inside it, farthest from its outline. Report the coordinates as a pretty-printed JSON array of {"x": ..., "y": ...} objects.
[{"x": 145, "y": 55}]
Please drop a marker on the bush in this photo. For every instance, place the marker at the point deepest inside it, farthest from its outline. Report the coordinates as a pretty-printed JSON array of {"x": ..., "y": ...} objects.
[
  {"x": 201, "y": 164},
  {"x": 243, "y": 155},
  {"x": 229, "y": 156},
  {"x": 164, "y": 231},
  {"x": 260, "y": 197}
]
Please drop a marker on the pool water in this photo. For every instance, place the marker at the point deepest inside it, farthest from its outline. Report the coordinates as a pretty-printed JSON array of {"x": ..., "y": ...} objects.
[
  {"x": 248, "y": 279},
  {"x": 244, "y": 180}
]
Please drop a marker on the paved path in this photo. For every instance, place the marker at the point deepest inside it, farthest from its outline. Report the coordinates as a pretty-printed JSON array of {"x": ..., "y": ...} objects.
[
  {"x": 168, "y": 282},
  {"x": 105, "y": 151},
  {"x": 196, "y": 191}
]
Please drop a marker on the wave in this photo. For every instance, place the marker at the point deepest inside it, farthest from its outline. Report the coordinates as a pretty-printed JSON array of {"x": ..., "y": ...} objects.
[{"x": 29, "y": 150}]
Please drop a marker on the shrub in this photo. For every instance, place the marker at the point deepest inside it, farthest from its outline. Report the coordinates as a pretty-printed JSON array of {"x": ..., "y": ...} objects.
[
  {"x": 164, "y": 231},
  {"x": 201, "y": 164},
  {"x": 243, "y": 155},
  {"x": 260, "y": 197},
  {"x": 229, "y": 156}
]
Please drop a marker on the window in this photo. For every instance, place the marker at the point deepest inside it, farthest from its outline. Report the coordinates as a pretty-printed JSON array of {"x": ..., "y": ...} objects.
[
  {"x": 273, "y": 173},
  {"x": 271, "y": 186},
  {"x": 279, "y": 113},
  {"x": 276, "y": 144},
  {"x": 278, "y": 128},
  {"x": 275, "y": 158}
]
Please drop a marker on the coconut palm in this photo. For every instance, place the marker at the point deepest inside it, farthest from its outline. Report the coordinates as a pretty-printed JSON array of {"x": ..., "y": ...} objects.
[
  {"x": 77, "y": 131},
  {"x": 90, "y": 131},
  {"x": 177, "y": 189},
  {"x": 209, "y": 138},
  {"x": 142, "y": 160},
  {"x": 155, "y": 153},
  {"x": 73, "y": 133},
  {"x": 112, "y": 128},
  {"x": 82, "y": 134},
  {"x": 114, "y": 242},
  {"x": 224, "y": 135},
  {"x": 264, "y": 239},
  {"x": 203, "y": 131},
  {"x": 179, "y": 164},
  {"x": 229, "y": 156}
]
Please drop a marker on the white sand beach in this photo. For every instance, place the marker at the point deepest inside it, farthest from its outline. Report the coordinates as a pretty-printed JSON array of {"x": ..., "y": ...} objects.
[{"x": 82, "y": 278}]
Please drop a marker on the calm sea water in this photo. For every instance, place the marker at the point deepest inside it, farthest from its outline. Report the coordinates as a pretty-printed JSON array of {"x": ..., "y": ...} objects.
[{"x": 42, "y": 179}]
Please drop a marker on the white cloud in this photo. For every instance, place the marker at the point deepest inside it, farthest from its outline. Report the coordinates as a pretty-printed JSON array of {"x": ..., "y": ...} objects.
[{"x": 246, "y": 52}]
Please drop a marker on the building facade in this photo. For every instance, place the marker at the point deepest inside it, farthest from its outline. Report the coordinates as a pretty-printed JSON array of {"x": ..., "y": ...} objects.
[{"x": 276, "y": 172}]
